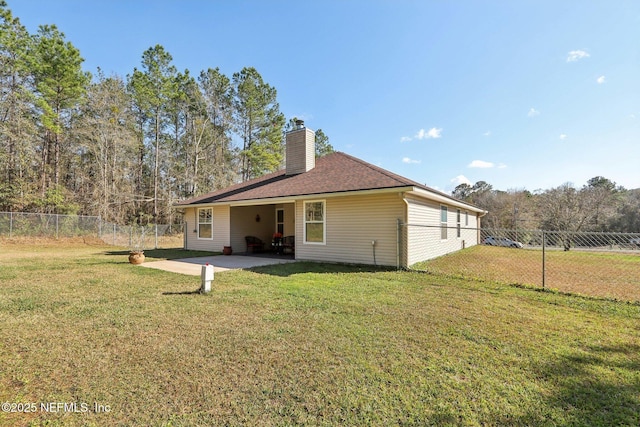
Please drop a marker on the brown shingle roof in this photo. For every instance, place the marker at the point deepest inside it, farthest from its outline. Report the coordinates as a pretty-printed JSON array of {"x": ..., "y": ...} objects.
[{"x": 334, "y": 173}]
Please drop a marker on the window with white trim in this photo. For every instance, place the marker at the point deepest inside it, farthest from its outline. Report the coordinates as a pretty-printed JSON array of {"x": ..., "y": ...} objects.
[
  {"x": 458, "y": 223},
  {"x": 314, "y": 222},
  {"x": 443, "y": 222},
  {"x": 466, "y": 218},
  {"x": 205, "y": 223}
]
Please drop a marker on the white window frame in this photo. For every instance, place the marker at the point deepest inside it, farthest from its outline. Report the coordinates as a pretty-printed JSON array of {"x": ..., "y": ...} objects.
[
  {"x": 198, "y": 223},
  {"x": 280, "y": 223},
  {"x": 458, "y": 223},
  {"x": 444, "y": 234},
  {"x": 466, "y": 218},
  {"x": 323, "y": 222}
]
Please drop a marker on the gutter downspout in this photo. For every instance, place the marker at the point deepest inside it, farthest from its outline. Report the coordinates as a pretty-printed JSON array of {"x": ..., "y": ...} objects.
[{"x": 400, "y": 230}]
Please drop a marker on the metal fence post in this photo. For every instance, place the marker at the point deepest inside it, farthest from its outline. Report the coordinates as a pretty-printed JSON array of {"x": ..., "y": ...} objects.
[
  {"x": 543, "y": 259},
  {"x": 56, "y": 226},
  {"x": 10, "y": 224},
  {"x": 156, "y": 242},
  {"x": 114, "y": 234}
]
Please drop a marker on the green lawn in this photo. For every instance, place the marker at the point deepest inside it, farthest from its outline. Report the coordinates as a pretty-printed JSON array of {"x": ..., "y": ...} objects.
[{"x": 303, "y": 343}]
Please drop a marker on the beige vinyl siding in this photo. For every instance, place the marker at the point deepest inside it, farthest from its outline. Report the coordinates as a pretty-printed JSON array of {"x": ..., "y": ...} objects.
[
  {"x": 220, "y": 230},
  {"x": 352, "y": 222},
  {"x": 423, "y": 233}
]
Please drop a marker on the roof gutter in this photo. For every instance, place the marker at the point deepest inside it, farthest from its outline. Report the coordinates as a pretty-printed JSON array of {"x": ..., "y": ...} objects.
[
  {"x": 292, "y": 199},
  {"x": 447, "y": 200}
]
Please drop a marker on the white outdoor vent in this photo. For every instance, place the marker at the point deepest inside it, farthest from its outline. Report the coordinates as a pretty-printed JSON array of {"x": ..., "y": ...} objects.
[
  {"x": 206, "y": 277},
  {"x": 301, "y": 149}
]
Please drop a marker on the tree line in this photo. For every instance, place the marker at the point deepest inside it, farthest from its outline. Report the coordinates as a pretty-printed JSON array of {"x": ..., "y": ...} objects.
[
  {"x": 126, "y": 148},
  {"x": 599, "y": 205}
]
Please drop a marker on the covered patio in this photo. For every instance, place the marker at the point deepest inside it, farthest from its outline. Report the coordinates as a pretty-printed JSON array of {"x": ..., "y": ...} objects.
[
  {"x": 254, "y": 229},
  {"x": 193, "y": 266}
]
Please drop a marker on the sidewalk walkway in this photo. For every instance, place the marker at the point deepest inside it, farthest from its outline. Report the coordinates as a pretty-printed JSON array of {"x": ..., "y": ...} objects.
[{"x": 193, "y": 266}]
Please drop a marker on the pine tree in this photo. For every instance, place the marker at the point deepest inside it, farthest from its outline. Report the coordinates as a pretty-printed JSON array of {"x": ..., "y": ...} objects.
[
  {"x": 60, "y": 83},
  {"x": 16, "y": 124},
  {"x": 104, "y": 128},
  {"x": 259, "y": 123},
  {"x": 152, "y": 89},
  {"x": 215, "y": 147}
]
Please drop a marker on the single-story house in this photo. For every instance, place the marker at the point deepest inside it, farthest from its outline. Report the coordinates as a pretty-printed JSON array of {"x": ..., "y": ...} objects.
[{"x": 336, "y": 208}]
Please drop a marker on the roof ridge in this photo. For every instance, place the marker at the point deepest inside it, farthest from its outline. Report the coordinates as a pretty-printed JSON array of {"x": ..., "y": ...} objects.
[
  {"x": 337, "y": 172},
  {"x": 233, "y": 188},
  {"x": 399, "y": 178},
  {"x": 378, "y": 169}
]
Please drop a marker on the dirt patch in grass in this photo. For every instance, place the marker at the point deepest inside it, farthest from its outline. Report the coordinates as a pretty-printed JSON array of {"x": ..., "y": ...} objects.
[{"x": 606, "y": 275}]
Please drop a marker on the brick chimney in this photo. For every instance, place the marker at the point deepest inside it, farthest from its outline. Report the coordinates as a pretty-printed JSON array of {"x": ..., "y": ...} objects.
[{"x": 301, "y": 149}]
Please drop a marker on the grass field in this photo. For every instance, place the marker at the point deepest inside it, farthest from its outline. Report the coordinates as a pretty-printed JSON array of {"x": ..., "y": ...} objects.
[
  {"x": 303, "y": 344},
  {"x": 606, "y": 275}
]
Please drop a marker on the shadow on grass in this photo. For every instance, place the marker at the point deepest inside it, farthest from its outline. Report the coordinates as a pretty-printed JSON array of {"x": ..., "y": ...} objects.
[
  {"x": 172, "y": 253},
  {"x": 594, "y": 386},
  {"x": 196, "y": 292},
  {"x": 300, "y": 267}
]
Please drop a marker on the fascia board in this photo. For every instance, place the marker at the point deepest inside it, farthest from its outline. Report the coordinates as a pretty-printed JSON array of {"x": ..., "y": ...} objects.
[
  {"x": 292, "y": 199},
  {"x": 446, "y": 200}
]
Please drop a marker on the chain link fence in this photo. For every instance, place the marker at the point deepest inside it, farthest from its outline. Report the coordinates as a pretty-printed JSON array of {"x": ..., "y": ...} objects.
[
  {"x": 55, "y": 226},
  {"x": 22, "y": 224},
  {"x": 587, "y": 263},
  {"x": 141, "y": 237}
]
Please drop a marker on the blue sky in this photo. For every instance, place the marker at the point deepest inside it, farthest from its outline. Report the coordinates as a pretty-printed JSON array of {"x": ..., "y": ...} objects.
[{"x": 521, "y": 94}]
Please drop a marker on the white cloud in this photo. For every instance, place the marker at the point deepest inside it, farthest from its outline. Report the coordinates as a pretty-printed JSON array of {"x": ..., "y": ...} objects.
[
  {"x": 460, "y": 179},
  {"x": 600, "y": 80},
  {"x": 576, "y": 55},
  {"x": 410, "y": 161},
  {"x": 480, "y": 164},
  {"x": 563, "y": 136},
  {"x": 424, "y": 134},
  {"x": 431, "y": 133},
  {"x": 533, "y": 112},
  {"x": 487, "y": 133},
  {"x": 502, "y": 166}
]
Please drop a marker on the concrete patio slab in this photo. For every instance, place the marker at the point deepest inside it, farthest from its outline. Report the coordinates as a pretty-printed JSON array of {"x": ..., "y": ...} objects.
[{"x": 193, "y": 266}]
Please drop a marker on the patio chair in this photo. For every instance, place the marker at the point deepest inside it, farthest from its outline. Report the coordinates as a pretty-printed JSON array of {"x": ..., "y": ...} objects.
[
  {"x": 254, "y": 245},
  {"x": 289, "y": 244}
]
